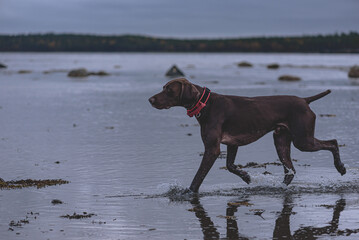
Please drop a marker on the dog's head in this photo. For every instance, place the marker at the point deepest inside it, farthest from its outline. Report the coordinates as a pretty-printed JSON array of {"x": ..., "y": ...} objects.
[{"x": 177, "y": 92}]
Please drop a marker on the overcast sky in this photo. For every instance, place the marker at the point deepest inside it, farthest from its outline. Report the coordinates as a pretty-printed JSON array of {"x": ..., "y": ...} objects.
[{"x": 182, "y": 18}]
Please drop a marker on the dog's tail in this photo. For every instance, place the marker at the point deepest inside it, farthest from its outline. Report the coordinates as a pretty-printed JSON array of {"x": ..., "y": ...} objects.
[{"x": 316, "y": 97}]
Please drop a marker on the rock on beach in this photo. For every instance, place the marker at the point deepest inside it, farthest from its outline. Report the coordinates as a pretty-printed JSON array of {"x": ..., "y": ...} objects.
[
  {"x": 289, "y": 78},
  {"x": 174, "y": 71},
  {"x": 82, "y": 72},
  {"x": 273, "y": 66},
  {"x": 354, "y": 72},
  {"x": 245, "y": 64}
]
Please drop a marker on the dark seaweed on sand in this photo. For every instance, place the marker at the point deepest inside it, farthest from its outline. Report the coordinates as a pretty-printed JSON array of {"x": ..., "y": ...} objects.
[
  {"x": 31, "y": 183},
  {"x": 78, "y": 216}
]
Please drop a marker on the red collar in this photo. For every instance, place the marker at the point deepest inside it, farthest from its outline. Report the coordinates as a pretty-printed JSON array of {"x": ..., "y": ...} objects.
[{"x": 196, "y": 110}]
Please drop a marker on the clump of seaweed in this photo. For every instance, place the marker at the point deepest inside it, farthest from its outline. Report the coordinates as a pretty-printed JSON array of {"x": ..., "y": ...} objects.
[
  {"x": 31, "y": 183},
  {"x": 255, "y": 165},
  {"x": 78, "y": 216}
]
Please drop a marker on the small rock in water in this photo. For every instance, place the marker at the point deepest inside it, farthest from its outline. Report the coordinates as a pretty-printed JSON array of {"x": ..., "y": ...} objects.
[
  {"x": 354, "y": 72},
  {"x": 80, "y": 72},
  {"x": 24, "y": 71},
  {"x": 245, "y": 64},
  {"x": 99, "y": 73},
  {"x": 3, "y": 65},
  {"x": 174, "y": 71},
  {"x": 273, "y": 66},
  {"x": 289, "y": 78},
  {"x": 56, "y": 201}
]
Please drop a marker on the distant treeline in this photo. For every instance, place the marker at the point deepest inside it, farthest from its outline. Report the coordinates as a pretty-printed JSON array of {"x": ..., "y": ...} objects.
[{"x": 335, "y": 43}]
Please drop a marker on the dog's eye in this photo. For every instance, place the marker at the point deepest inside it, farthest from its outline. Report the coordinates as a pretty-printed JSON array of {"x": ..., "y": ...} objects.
[{"x": 169, "y": 92}]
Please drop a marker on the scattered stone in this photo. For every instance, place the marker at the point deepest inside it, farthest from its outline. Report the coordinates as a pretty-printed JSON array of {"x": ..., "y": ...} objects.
[
  {"x": 244, "y": 64},
  {"x": 267, "y": 173},
  {"x": 80, "y": 72},
  {"x": 74, "y": 125},
  {"x": 289, "y": 78},
  {"x": 189, "y": 134},
  {"x": 31, "y": 183},
  {"x": 110, "y": 127},
  {"x": 327, "y": 115},
  {"x": 273, "y": 66},
  {"x": 56, "y": 201},
  {"x": 57, "y": 162},
  {"x": 24, "y": 71},
  {"x": 78, "y": 216},
  {"x": 100, "y": 73},
  {"x": 2, "y": 65},
  {"x": 54, "y": 71},
  {"x": 184, "y": 125},
  {"x": 342, "y": 145},
  {"x": 174, "y": 71},
  {"x": 354, "y": 72},
  {"x": 151, "y": 229}
]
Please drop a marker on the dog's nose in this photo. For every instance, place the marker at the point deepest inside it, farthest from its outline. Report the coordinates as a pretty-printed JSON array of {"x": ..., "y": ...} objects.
[{"x": 152, "y": 100}]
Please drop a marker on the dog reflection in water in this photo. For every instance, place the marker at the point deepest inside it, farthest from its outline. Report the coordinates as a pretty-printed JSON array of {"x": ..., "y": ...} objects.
[{"x": 282, "y": 224}]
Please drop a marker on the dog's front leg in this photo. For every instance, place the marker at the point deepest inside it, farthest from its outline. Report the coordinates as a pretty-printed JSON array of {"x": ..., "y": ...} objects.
[
  {"x": 231, "y": 156},
  {"x": 209, "y": 157}
]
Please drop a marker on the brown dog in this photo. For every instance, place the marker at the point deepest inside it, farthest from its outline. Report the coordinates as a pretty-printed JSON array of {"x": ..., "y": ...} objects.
[{"x": 237, "y": 121}]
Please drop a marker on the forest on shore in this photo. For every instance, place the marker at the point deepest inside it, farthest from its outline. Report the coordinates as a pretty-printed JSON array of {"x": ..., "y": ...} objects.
[{"x": 334, "y": 43}]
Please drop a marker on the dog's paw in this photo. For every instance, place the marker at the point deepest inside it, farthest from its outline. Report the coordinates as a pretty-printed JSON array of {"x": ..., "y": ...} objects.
[
  {"x": 341, "y": 169},
  {"x": 245, "y": 177},
  {"x": 288, "y": 179}
]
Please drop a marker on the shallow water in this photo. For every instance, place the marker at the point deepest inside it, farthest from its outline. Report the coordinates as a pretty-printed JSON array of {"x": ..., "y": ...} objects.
[{"x": 129, "y": 163}]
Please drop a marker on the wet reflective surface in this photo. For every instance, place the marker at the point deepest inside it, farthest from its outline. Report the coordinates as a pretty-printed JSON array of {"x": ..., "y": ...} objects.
[{"x": 129, "y": 163}]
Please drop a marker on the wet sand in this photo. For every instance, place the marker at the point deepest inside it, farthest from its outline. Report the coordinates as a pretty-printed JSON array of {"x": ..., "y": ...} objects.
[{"x": 127, "y": 164}]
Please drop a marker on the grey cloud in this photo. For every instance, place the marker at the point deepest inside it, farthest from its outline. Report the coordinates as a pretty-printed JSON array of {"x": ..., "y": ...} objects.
[{"x": 185, "y": 18}]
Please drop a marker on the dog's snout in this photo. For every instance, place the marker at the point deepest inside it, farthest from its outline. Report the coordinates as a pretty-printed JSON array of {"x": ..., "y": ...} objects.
[{"x": 152, "y": 100}]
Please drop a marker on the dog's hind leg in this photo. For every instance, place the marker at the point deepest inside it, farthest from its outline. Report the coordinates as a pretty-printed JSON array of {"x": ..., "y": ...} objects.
[
  {"x": 282, "y": 140},
  {"x": 303, "y": 139},
  {"x": 311, "y": 144},
  {"x": 231, "y": 156}
]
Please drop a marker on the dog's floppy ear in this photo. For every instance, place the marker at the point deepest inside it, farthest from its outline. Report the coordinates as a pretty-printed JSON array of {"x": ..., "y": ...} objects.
[{"x": 189, "y": 93}]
